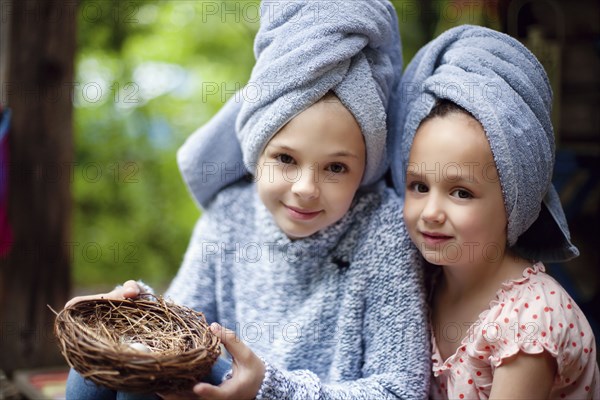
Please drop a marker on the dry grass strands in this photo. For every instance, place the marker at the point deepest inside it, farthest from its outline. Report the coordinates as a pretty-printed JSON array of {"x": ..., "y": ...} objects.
[{"x": 137, "y": 345}]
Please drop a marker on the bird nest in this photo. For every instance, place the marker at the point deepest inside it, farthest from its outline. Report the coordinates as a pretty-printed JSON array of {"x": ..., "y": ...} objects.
[{"x": 137, "y": 345}]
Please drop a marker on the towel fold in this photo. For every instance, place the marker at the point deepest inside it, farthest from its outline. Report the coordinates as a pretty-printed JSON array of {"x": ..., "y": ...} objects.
[
  {"x": 303, "y": 50},
  {"x": 499, "y": 81}
]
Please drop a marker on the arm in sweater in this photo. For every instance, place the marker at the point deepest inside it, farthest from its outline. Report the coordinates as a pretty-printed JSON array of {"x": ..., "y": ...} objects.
[{"x": 194, "y": 284}]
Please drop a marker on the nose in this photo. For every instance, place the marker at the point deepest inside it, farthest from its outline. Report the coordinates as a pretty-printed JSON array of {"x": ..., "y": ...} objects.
[
  {"x": 306, "y": 184},
  {"x": 433, "y": 211}
]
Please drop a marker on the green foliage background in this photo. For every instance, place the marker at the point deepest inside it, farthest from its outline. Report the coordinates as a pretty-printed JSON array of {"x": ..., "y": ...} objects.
[
  {"x": 133, "y": 215},
  {"x": 141, "y": 88}
]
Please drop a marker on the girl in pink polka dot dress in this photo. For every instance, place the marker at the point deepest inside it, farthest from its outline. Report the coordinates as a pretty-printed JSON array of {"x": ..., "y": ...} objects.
[{"x": 476, "y": 168}]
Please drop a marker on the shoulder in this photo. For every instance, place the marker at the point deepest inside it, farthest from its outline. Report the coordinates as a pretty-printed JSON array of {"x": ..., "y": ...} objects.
[
  {"x": 536, "y": 314},
  {"x": 381, "y": 201},
  {"x": 535, "y": 300},
  {"x": 234, "y": 204},
  {"x": 379, "y": 210},
  {"x": 537, "y": 297},
  {"x": 378, "y": 239},
  {"x": 379, "y": 223}
]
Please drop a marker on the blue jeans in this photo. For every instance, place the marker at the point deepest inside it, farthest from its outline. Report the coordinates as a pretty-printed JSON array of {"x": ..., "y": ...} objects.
[{"x": 79, "y": 388}]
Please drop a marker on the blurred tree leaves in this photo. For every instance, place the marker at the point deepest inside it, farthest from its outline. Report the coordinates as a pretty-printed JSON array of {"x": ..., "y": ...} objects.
[{"x": 142, "y": 67}]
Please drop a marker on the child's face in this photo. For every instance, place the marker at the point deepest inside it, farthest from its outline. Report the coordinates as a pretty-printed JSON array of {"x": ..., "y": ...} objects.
[
  {"x": 454, "y": 210},
  {"x": 310, "y": 170}
]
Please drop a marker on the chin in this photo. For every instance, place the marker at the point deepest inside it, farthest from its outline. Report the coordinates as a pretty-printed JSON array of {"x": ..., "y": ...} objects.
[
  {"x": 435, "y": 261},
  {"x": 298, "y": 234}
]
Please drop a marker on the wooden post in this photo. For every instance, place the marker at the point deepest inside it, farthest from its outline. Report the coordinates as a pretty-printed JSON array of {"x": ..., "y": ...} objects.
[{"x": 37, "y": 87}]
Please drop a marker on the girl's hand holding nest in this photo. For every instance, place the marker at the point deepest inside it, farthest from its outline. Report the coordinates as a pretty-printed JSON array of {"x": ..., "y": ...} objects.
[
  {"x": 247, "y": 376},
  {"x": 129, "y": 290}
]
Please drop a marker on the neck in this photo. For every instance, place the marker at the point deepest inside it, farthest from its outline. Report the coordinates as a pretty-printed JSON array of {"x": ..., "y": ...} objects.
[{"x": 466, "y": 281}]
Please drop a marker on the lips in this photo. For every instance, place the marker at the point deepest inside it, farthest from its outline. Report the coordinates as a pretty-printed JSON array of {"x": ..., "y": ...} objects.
[
  {"x": 434, "y": 238},
  {"x": 301, "y": 213}
]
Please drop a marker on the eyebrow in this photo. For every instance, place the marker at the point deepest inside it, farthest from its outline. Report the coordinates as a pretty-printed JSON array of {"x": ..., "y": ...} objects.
[
  {"x": 460, "y": 178},
  {"x": 454, "y": 178},
  {"x": 280, "y": 146},
  {"x": 341, "y": 153}
]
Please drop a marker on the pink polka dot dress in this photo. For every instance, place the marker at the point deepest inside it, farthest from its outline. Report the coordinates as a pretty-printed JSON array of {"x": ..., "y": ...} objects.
[{"x": 530, "y": 315}]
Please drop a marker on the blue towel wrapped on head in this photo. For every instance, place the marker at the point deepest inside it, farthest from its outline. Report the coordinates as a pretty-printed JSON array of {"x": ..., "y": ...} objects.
[
  {"x": 303, "y": 51},
  {"x": 499, "y": 81}
]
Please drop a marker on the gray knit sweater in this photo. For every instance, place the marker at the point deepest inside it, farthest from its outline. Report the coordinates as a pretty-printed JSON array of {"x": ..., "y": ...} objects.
[{"x": 338, "y": 315}]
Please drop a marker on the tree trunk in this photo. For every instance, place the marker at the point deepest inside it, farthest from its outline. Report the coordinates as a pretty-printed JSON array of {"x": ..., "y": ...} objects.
[{"x": 37, "y": 82}]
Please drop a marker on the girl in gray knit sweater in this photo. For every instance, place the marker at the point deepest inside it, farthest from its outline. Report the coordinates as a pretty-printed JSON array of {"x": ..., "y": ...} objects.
[{"x": 317, "y": 276}]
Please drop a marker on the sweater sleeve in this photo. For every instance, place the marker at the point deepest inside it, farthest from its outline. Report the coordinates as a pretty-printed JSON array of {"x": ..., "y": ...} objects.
[
  {"x": 194, "y": 284},
  {"x": 396, "y": 361}
]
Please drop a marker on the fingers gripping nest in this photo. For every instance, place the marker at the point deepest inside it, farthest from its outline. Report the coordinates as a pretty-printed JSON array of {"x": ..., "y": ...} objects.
[{"x": 137, "y": 345}]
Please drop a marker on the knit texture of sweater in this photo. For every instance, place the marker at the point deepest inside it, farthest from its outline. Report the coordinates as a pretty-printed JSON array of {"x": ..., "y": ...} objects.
[{"x": 338, "y": 315}]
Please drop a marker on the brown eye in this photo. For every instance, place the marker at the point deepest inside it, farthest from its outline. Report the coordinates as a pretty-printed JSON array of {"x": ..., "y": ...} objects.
[
  {"x": 285, "y": 159},
  {"x": 461, "y": 194},
  {"x": 419, "y": 187},
  {"x": 337, "y": 168}
]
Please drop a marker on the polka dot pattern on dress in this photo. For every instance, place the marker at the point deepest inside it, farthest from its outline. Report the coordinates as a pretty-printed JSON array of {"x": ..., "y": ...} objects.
[{"x": 540, "y": 316}]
